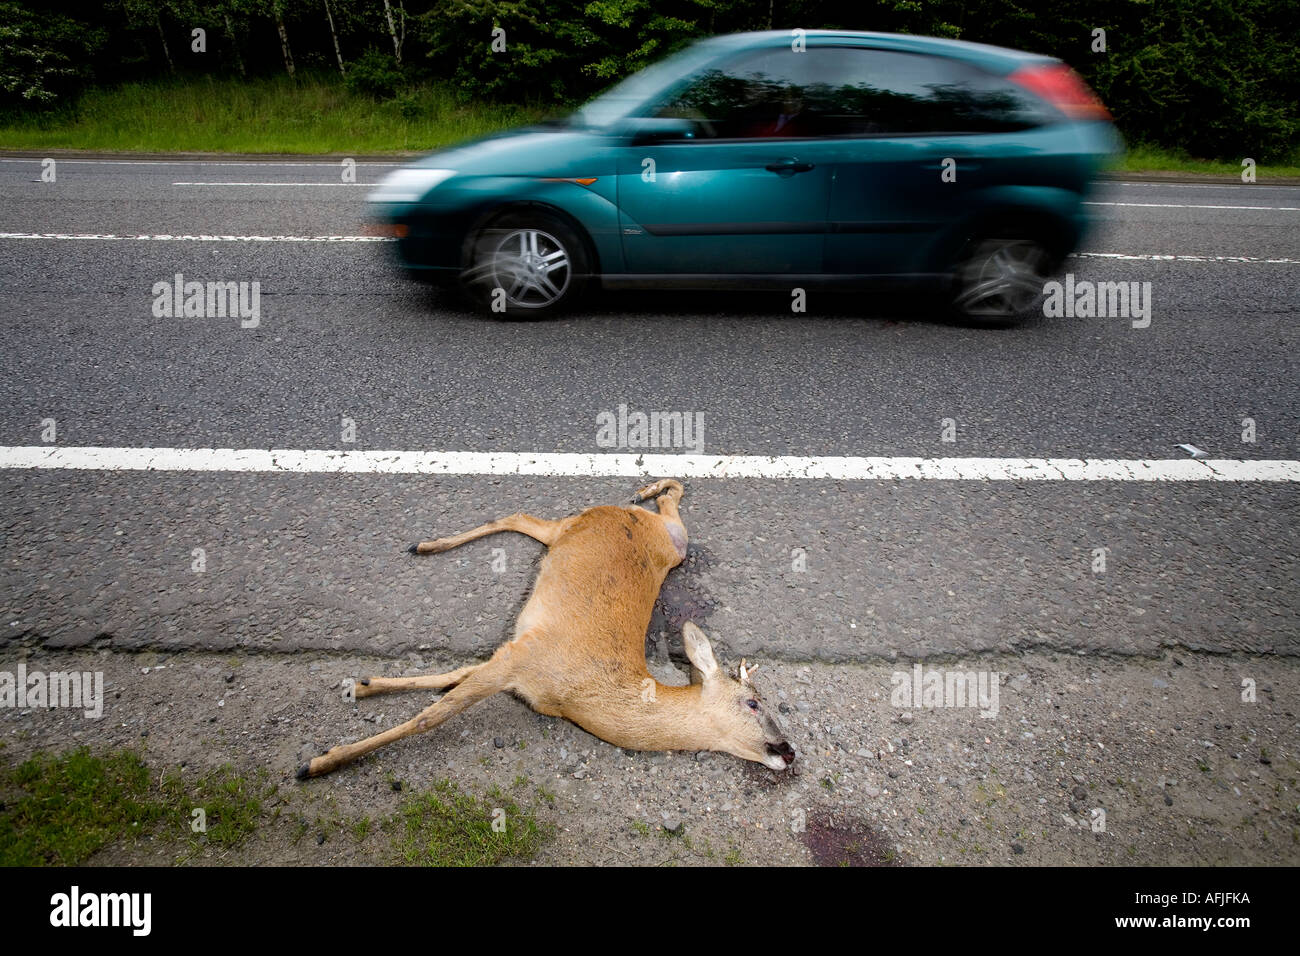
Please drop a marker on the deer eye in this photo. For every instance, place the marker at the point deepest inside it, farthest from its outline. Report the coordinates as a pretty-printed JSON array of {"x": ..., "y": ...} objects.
[{"x": 752, "y": 704}]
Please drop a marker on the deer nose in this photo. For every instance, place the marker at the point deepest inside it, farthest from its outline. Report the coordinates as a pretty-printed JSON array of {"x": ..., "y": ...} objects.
[{"x": 782, "y": 750}]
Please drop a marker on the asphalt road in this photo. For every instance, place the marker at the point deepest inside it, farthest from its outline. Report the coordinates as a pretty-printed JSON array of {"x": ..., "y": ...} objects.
[{"x": 906, "y": 568}]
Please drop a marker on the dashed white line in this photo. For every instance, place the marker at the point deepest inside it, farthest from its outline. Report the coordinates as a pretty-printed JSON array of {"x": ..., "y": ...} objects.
[
  {"x": 1232, "y": 185},
  {"x": 1156, "y": 257},
  {"x": 110, "y": 237},
  {"x": 1174, "y": 205},
  {"x": 191, "y": 162},
  {"x": 324, "y": 461},
  {"x": 274, "y": 184}
]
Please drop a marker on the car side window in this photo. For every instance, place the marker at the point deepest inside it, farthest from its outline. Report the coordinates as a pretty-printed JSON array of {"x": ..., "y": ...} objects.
[
  {"x": 884, "y": 92},
  {"x": 757, "y": 95},
  {"x": 847, "y": 91}
]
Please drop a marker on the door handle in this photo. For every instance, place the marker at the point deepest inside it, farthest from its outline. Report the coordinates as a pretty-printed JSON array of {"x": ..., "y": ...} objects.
[{"x": 788, "y": 167}]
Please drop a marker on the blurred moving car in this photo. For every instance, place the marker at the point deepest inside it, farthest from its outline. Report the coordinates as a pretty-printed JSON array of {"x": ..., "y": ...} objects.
[{"x": 773, "y": 160}]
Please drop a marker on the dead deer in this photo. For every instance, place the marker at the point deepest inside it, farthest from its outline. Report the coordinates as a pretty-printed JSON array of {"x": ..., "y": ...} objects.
[{"x": 578, "y": 649}]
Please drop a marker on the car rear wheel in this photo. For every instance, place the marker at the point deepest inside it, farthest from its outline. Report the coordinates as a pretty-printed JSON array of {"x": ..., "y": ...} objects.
[
  {"x": 526, "y": 265},
  {"x": 999, "y": 281}
]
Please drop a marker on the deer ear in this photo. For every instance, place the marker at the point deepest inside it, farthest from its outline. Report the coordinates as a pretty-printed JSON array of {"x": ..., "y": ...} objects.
[{"x": 700, "y": 652}]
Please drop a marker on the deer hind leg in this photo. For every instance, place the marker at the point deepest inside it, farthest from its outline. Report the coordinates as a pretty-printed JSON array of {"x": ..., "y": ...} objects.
[
  {"x": 543, "y": 530},
  {"x": 486, "y": 680},
  {"x": 667, "y": 493},
  {"x": 369, "y": 686}
]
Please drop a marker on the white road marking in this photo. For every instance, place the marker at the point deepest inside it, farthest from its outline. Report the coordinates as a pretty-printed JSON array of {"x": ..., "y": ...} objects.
[
  {"x": 1173, "y": 205},
  {"x": 191, "y": 162},
  {"x": 1232, "y": 185},
  {"x": 1153, "y": 257},
  {"x": 110, "y": 237},
  {"x": 275, "y": 184},
  {"x": 325, "y": 461},
  {"x": 165, "y": 238}
]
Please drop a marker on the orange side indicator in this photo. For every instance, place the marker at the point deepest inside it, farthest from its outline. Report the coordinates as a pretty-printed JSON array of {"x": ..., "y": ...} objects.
[
  {"x": 396, "y": 231},
  {"x": 580, "y": 180}
]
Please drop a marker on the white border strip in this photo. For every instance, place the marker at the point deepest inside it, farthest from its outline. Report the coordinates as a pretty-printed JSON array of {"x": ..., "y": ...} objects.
[
  {"x": 640, "y": 466},
  {"x": 1171, "y": 205},
  {"x": 1154, "y": 257},
  {"x": 275, "y": 184},
  {"x": 319, "y": 164},
  {"x": 110, "y": 237}
]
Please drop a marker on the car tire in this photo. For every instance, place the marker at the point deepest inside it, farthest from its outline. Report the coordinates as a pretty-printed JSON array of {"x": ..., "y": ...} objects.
[
  {"x": 997, "y": 279},
  {"x": 525, "y": 264}
]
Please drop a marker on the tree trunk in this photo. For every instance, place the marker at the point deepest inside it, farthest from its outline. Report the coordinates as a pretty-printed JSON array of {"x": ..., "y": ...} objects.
[
  {"x": 392, "y": 31},
  {"x": 284, "y": 42},
  {"x": 337, "y": 52},
  {"x": 234, "y": 46},
  {"x": 163, "y": 36}
]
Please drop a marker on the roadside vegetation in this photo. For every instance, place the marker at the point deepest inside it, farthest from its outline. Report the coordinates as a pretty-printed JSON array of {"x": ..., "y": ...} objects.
[
  {"x": 319, "y": 116},
  {"x": 313, "y": 114},
  {"x": 62, "y": 810},
  {"x": 1187, "y": 80}
]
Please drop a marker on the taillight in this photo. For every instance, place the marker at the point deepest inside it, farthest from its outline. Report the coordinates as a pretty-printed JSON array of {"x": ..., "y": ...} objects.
[{"x": 1063, "y": 88}]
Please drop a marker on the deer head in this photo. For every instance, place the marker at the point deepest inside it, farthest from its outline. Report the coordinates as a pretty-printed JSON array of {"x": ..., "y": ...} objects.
[{"x": 740, "y": 723}]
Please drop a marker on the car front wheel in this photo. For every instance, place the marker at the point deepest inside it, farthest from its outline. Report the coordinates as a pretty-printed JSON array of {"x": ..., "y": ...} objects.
[{"x": 525, "y": 265}]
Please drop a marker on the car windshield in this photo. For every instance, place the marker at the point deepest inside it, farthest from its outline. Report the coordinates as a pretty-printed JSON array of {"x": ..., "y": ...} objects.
[{"x": 619, "y": 100}]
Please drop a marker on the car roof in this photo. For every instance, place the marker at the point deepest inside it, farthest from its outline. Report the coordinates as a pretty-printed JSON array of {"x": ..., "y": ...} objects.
[{"x": 995, "y": 58}]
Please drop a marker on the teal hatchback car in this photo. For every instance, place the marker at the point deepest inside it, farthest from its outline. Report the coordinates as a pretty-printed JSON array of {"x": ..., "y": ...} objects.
[{"x": 775, "y": 159}]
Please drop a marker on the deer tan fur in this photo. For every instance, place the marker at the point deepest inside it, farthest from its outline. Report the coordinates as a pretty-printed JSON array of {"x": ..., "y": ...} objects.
[{"x": 578, "y": 649}]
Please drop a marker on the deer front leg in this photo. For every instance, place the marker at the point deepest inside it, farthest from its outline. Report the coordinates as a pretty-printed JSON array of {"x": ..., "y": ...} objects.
[
  {"x": 670, "y": 487},
  {"x": 484, "y": 682},
  {"x": 369, "y": 686},
  {"x": 667, "y": 493}
]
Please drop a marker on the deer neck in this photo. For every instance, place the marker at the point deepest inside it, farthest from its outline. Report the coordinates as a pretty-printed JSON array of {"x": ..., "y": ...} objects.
[{"x": 677, "y": 720}]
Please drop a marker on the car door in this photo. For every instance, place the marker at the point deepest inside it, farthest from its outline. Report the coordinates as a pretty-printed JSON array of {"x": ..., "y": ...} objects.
[
  {"x": 926, "y": 134},
  {"x": 746, "y": 192}
]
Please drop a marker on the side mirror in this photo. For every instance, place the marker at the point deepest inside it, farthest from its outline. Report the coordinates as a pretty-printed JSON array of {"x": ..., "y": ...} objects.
[{"x": 641, "y": 130}]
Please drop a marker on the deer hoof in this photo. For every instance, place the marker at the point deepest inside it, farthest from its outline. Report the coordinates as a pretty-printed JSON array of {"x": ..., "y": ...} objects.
[
  {"x": 413, "y": 549},
  {"x": 304, "y": 772}
]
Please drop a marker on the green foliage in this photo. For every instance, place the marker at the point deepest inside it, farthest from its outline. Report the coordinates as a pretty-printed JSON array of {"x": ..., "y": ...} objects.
[
  {"x": 1215, "y": 77},
  {"x": 545, "y": 43},
  {"x": 374, "y": 74},
  {"x": 44, "y": 56},
  {"x": 1212, "y": 78}
]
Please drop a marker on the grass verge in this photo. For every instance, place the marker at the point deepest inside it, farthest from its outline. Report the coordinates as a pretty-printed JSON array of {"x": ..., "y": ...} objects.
[
  {"x": 446, "y": 827},
  {"x": 316, "y": 114},
  {"x": 313, "y": 114},
  {"x": 60, "y": 810},
  {"x": 1157, "y": 159}
]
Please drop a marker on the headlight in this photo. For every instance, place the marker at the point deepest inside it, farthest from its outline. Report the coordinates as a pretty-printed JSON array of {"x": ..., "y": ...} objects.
[{"x": 408, "y": 185}]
